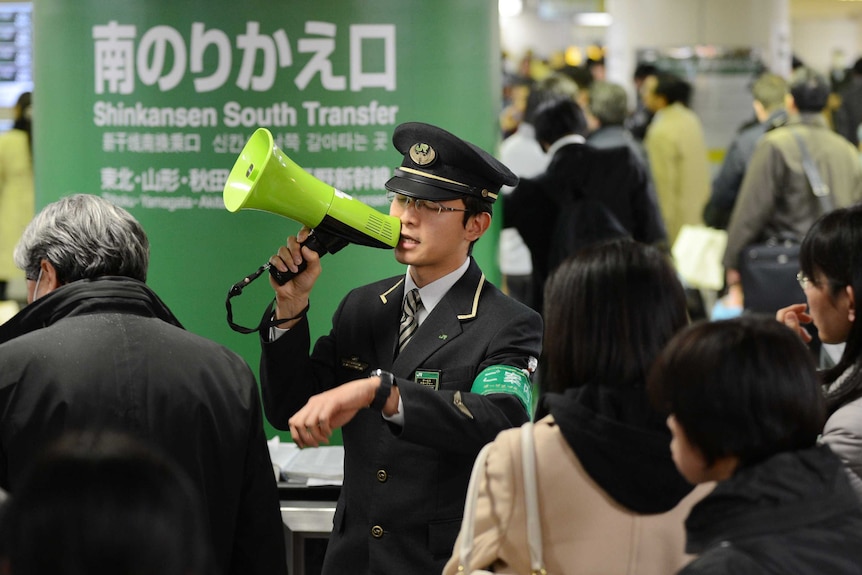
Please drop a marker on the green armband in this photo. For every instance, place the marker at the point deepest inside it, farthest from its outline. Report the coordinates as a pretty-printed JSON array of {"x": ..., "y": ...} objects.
[{"x": 505, "y": 379}]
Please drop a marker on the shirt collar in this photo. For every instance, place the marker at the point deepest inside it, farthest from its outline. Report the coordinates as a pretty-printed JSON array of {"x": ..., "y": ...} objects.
[
  {"x": 434, "y": 292},
  {"x": 565, "y": 141}
]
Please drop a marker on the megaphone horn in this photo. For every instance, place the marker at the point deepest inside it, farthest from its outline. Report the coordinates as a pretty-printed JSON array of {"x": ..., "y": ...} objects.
[{"x": 264, "y": 178}]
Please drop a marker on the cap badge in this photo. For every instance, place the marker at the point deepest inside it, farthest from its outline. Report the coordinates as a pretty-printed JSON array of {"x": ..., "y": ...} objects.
[{"x": 422, "y": 154}]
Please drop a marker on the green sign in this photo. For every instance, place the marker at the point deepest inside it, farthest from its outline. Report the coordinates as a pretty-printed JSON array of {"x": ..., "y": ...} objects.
[{"x": 149, "y": 103}]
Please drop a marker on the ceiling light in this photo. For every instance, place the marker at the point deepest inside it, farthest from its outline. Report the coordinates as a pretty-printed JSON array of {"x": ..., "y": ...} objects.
[
  {"x": 593, "y": 19},
  {"x": 510, "y": 8}
]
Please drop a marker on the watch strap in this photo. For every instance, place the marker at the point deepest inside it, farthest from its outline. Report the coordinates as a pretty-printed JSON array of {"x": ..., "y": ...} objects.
[{"x": 381, "y": 396}]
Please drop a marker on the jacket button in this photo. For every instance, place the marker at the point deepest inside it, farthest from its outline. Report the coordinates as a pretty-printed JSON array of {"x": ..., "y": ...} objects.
[
  {"x": 382, "y": 476},
  {"x": 377, "y": 532}
]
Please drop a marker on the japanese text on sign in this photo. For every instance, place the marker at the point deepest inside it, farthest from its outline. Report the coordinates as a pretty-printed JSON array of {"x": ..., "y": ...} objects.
[{"x": 160, "y": 57}]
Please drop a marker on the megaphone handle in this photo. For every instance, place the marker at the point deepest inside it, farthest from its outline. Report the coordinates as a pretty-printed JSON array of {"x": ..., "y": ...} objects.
[{"x": 312, "y": 242}]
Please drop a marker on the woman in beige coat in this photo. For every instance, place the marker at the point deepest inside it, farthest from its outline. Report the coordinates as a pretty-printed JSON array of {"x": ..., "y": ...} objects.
[
  {"x": 16, "y": 189},
  {"x": 610, "y": 498}
]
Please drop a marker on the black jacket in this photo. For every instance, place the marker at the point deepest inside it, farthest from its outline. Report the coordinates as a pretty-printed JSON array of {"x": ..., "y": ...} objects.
[
  {"x": 794, "y": 514},
  {"x": 108, "y": 354},
  {"x": 614, "y": 177}
]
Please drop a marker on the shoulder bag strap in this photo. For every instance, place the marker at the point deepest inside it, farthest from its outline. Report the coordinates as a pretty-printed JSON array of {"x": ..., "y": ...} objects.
[
  {"x": 818, "y": 187},
  {"x": 465, "y": 549},
  {"x": 534, "y": 528},
  {"x": 531, "y": 497}
]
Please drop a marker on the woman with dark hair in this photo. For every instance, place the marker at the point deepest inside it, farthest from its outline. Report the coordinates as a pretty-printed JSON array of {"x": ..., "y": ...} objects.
[
  {"x": 745, "y": 411},
  {"x": 602, "y": 459},
  {"x": 830, "y": 259},
  {"x": 104, "y": 503}
]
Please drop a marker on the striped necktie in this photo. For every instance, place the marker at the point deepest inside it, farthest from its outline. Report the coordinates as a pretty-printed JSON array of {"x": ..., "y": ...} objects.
[{"x": 409, "y": 319}]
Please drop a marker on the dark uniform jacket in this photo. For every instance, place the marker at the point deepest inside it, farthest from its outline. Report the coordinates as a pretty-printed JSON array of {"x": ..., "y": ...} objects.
[
  {"x": 403, "y": 494},
  {"x": 794, "y": 514},
  {"x": 614, "y": 177},
  {"x": 108, "y": 354}
]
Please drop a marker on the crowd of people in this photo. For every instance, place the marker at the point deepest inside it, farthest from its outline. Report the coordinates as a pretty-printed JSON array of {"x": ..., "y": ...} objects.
[
  {"x": 664, "y": 442},
  {"x": 760, "y": 191}
]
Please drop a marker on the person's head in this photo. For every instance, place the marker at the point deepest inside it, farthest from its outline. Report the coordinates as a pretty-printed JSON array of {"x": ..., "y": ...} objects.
[
  {"x": 584, "y": 80},
  {"x": 830, "y": 261},
  {"x": 557, "y": 118},
  {"x": 665, "y": 89},
  {"x": 609, "y": 103},
  {"x": 517, "y": 88},
  {"x": 769, "y": 91},
  {"x": 581, "y": 76},
  {"x": 553, "y": 86},
  {"x": 642, "y": 71},
  {"x": 599, "y": 328},
  {"x": 443, "y": 193},
  {"x": 857, "y": 67},
  {"x": 809, "y": 91},
  {"x": 81, "y": 237},
  {"x": 24, "y": 108},
  {"x": 596, "y": 68},
  {"x": 24, "y": 116},
  {"x": 103, "y": 503},
  {"x": 738, "y": 392}
]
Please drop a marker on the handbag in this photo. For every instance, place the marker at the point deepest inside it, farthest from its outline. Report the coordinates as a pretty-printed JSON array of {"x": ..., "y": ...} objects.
[
  {"x": 534, "y": 527},
  {"x": 768, "y": 269},
  {"x": 697, "y": 253}
]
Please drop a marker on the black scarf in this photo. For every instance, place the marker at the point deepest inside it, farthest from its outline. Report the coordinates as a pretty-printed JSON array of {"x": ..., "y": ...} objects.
[
  {"x": 108, "y": 293},
  {"x": 622, "y": 443}
]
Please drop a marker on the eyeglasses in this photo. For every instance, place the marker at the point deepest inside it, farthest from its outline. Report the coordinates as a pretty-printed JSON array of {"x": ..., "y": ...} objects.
[
  {"x": 422, "y": 206},
  {"x": 804, "y": 280}
]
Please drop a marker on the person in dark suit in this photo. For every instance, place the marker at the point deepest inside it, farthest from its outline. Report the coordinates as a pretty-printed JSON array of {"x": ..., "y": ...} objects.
[
  {"x": 614, "y": 178},
  {"x": 415, "y": 404}
]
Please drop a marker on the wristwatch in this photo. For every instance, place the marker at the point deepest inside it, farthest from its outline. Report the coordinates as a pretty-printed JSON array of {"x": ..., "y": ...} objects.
[{"x": 382, "y": 393}]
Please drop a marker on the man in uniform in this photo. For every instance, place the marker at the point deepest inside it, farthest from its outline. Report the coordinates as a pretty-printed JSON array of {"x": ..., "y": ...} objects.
[{"x": 416, "y": 403}]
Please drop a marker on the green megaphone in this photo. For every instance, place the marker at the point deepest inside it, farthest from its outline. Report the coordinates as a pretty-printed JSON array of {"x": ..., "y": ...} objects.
[{"x": 264, "y": 178}]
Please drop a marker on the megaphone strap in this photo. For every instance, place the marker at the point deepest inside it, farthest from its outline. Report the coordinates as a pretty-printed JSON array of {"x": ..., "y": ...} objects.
[{"x": 267, "y": 322}]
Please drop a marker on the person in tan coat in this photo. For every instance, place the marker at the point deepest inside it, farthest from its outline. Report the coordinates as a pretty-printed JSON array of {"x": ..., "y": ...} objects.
[
  {"x": 17, "y": 196},
  {"x": 677, "y": 153},
  {"x": 610, "y": 498}
]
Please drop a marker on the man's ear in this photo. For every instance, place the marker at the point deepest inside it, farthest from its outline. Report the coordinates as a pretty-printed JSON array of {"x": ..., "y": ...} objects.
[
  {"x": 48, "y": 282},
  {"x": 851, "y": 298},
  {"x": 790, "y": 103},
  {"x": 759, "y": 111},
  {"x": 477, "y": 225}
]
